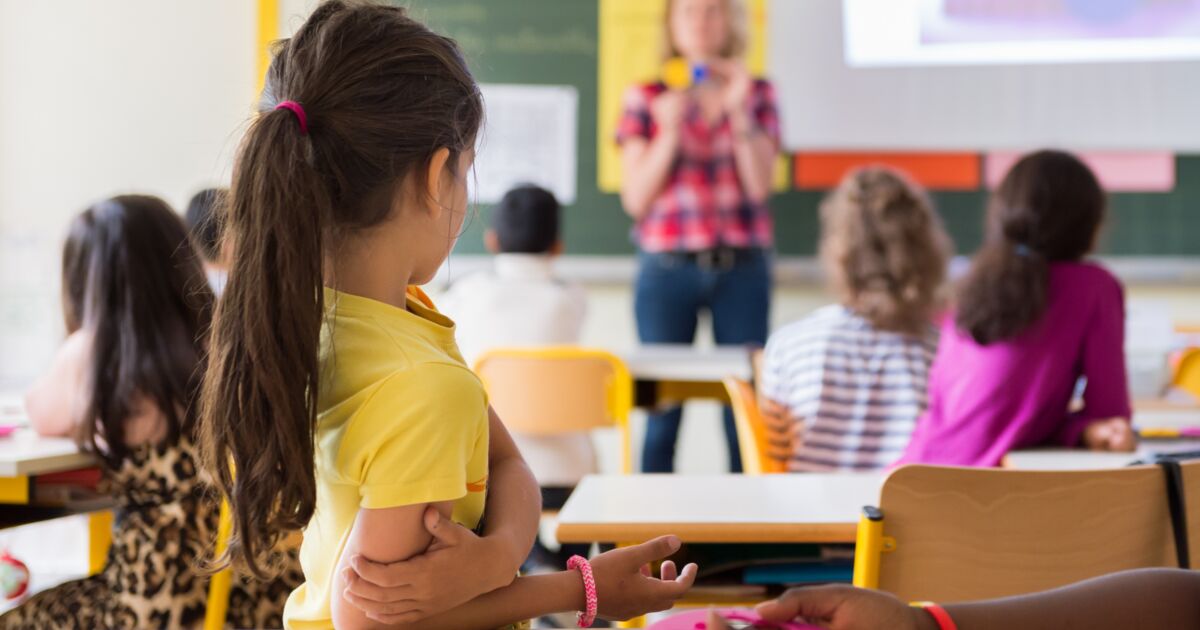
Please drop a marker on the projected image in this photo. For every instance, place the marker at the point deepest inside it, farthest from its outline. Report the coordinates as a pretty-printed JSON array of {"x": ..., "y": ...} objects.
[
  {"x": 974, "y": 32},
  {"x": 956, "y": 21}
]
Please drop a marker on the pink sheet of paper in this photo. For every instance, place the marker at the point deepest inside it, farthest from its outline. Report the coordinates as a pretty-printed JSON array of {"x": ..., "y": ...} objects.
[
  {"x": 1119, "y": 171},
  {"x": 698, "y": 620}
]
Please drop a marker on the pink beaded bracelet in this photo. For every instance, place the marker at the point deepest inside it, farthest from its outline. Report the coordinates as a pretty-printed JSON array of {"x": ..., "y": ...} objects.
[{"x": 588, "y": 616}]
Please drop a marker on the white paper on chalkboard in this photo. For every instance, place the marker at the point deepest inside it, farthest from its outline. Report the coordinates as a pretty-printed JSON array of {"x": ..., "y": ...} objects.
[{"x": 530, "y": 137}]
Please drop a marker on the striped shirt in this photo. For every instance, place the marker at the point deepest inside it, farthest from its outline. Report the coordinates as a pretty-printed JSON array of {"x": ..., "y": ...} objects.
[{"x": 858, "y": 390}]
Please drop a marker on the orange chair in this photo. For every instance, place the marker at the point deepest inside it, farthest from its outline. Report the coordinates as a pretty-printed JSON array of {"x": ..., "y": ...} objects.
[
  {"x": 1186, "y": 375},
  {"x": 549, "y": 391},
  {"x": 753, "y": 437}
]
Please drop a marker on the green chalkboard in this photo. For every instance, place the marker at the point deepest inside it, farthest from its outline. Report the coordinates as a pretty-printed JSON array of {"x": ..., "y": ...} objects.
[{"x": 555, "y": 42}]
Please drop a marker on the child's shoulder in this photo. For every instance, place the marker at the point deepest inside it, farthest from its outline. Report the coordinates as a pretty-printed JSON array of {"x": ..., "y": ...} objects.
[
  {"x": 1086, "y": 275},
  {"x": 422, "y": 388},
  {"x": 818, "y": 325}
]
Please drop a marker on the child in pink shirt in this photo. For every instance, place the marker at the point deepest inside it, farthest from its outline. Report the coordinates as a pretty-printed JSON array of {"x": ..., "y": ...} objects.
[{"x": 1031, "y": 319}]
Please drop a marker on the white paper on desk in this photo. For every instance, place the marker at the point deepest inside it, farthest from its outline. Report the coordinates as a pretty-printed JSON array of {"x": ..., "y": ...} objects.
[{"x": 530, "y": 136}]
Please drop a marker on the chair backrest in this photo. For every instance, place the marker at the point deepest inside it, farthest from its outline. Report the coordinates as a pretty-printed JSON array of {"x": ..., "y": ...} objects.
[
  {"x": 1187, "y": 372},
  {"x": 556, "y": 390},
  {"x": 961, "y": 534},
  {"x": 752, "y": 433}
]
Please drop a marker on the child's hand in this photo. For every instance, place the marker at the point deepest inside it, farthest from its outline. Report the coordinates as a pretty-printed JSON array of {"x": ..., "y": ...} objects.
[
  {"x": 783, "y": 430},
  {"x": 842, "y": 607},
  {"x": 452, "y": 571},
  {"x": 624, "y": 585},
  {"x": 1111, "y": 434}
]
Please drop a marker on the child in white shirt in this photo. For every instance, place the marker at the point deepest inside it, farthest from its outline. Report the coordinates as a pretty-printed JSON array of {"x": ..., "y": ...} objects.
[{"x": 520, "y": 303}]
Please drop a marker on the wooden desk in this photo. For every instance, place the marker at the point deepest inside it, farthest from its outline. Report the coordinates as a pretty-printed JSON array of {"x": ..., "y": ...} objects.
[
  {"x": 667, "y": 374},
  {"x": 1163, "y": 414},
  {"x": 23, "y": 456},
  {"x": 808, "y": 508},
  {"x": 25, "y": 453},
  {"x": 1083, "y": 459}
]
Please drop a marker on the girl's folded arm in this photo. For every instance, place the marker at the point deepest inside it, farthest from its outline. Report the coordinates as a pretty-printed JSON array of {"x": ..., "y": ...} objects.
[
  {"x": 514, "y": 505},
  {"x": 383, "y": 535}
]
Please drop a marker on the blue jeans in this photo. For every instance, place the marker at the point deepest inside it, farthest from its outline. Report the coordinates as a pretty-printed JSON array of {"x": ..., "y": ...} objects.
[{"x": 670, "y": 291}]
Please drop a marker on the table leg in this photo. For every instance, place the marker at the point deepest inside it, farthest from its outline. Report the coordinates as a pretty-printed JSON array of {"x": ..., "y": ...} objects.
[{"x": 99, "y": 539}]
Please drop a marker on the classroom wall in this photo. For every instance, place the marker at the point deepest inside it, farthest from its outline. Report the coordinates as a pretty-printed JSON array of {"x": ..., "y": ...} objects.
[
  {"x": 82, "y": 119},
  {"x": 96, "y": 99}
]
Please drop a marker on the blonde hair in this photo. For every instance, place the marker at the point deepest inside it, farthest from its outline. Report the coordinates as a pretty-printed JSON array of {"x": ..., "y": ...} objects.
[
  {"x": 884, "y": 249},
  {"x": 735, "y": 44}
]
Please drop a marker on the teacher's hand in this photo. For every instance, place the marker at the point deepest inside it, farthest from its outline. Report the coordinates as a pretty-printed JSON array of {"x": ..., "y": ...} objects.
[
  {"x": 735, "y": 96},
  {"x": 669, "y": 110}
]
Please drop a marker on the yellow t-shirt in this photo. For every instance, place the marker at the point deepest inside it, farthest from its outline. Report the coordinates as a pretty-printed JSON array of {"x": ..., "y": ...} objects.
[{"x": 401, "y": 421}]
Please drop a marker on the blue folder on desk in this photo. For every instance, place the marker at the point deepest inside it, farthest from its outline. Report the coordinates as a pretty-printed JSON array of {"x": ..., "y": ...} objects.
[{"x": 797, "y": 573}]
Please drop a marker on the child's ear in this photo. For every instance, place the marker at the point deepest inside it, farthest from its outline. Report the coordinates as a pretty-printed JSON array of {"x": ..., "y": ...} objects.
[
  {"x": 437, "y": 179},
  {"x": 491, "y": 241}
]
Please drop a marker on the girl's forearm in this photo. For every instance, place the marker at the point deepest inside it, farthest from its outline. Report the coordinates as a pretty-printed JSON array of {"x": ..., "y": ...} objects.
[
  {"x": 526, "y": 598},
  {"x": 514, "y": 509}
]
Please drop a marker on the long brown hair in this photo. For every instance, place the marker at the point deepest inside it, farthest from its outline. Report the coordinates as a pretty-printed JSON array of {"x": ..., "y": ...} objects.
[
  {"x": 133, "y": 282},
  {"x": 884, "y": 249},
  {"x": 1048, "y": 208},
  {"x": 382, "y": 94}
]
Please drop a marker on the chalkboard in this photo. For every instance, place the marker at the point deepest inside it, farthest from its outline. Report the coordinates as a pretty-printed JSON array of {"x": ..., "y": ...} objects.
[{"x": 555, "y": 42}]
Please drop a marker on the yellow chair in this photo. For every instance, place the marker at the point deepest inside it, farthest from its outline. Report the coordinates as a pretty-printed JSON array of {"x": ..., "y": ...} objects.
[
  {"x": 221, "y": 582},
  {"x": 954, "y": 534},
  {"x": 1186, "y": 375},
  {"x": 753, "y": 436},
  {"x": 548, "y": 391}
]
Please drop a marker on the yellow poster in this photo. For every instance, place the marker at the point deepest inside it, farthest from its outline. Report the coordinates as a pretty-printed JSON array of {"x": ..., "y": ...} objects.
[{"x": 631, "y": 34}]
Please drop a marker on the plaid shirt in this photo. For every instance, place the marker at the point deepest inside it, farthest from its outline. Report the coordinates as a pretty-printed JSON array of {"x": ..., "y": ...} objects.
[{"x": 703, "y": 205}]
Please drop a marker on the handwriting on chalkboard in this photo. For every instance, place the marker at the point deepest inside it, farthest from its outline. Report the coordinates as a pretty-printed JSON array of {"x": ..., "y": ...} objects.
[{"x": 475, "y": 29}]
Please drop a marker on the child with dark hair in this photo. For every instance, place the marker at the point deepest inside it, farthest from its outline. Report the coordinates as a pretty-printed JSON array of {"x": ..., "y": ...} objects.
[
  {"x": 1032, "y": 318},
  {"x": 336, "y": 400},
  {"x": 520, "y": 302},
  {"x": 203, "y": 216},
  {"x": 125, "y": 383}
]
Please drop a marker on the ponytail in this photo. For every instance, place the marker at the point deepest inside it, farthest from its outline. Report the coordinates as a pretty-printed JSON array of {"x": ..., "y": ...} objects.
[
  {"x": 1003, "y": 294},
  {"x": 358, "y": 99},
  {"x": 1049, "y": 208},
  {"x": 260, "y": 393}
]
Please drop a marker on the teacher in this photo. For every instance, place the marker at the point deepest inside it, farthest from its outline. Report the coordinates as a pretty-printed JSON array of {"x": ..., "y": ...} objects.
[{"x": 697, "y": 169}]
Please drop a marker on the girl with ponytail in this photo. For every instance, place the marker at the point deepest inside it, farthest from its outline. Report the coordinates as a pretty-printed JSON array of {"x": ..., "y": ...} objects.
[
  {"x": 336, "y": 400},
  {"x": 1032, "y": 318}
]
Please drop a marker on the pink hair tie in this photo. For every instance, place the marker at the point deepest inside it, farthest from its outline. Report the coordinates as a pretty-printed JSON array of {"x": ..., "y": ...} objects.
[
  {"x": 298, "y": 110},
  {"x": 588, "y": 616}
]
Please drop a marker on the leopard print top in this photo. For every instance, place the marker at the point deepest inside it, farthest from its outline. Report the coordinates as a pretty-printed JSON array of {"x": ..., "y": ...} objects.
[{"x": 166, "y": 522}]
